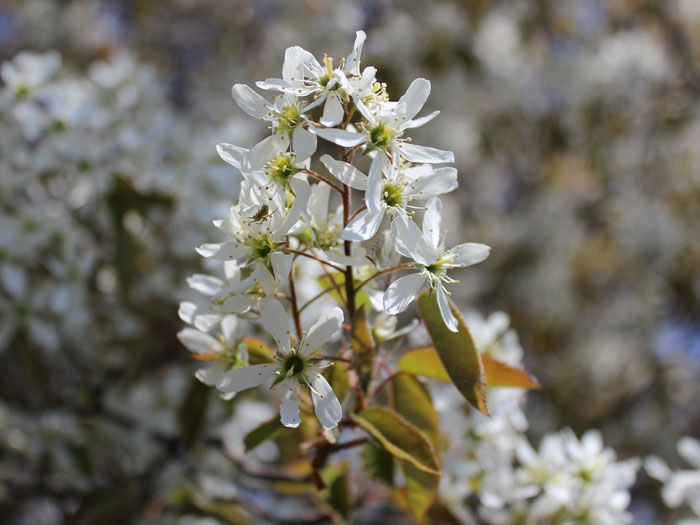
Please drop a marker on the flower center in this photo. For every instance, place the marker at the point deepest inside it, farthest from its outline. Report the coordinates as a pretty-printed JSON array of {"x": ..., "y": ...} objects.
[
  {"x": 288, "y": 119},
  {"x": 392, "y": 194},
  {"x": 262, "y": 248},
  {"x": 381, "y": 136},
  {"x": 293, "y": 365},
  {"x": 281, "y": 169}
]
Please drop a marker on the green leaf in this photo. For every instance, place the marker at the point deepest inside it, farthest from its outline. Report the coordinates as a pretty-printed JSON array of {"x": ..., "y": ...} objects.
[
  {"x": 413, "y": 402},
  {"x": 337, "y": 492},
  {"x": 262, "y": 433},
  {"x": 456, "y": 350},
  {"x": 425, "y": 361},
  {"x": 378, "y": 463},
  {"x": 399, "y": 437},
  {"x": 363, "y": 345}
]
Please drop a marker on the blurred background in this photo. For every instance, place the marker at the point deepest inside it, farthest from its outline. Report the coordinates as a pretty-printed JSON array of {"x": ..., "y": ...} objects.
[{"x": 576, "y": 131}]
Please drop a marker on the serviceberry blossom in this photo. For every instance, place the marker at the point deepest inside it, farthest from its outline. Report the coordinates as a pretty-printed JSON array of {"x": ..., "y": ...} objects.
[
  {"x": 294, "y": 229},
  {"x": 296, "y": 365},
  {"x": 680, "y": 486},
  {"x": 427, "y": 249}
]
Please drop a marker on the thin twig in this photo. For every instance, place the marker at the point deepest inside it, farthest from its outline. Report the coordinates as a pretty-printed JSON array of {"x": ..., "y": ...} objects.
[
  {"x": 324, "y": 179},
  {"x": 319, "y": 295},
  {"x": 293, "y": 292},
  {"x": 315, "y": 258},
  {"x": 381, "y": 272}
]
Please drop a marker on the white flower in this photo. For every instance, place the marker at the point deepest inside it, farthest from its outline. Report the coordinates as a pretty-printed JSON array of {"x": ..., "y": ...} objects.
[
  {"x": 303, "y": 75},
  {"x": 326, "y": 229},
  {"x": 258, "y": 225},
  {"x": 390, "y": 189},
  {"x": 286, "y": 114},
  {"x": 296, "y": 366},
  {"x": 221, "y": 352},
  {"x": 277, "y": 172},
  {"x": 385, "y": 125},
  {"x": 682, "y": 485},
  {"x": 427, "y": 249},
  {"x": 28, "y": 71}
]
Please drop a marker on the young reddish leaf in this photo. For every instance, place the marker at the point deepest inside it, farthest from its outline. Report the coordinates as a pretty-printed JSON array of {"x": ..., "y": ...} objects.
[
  {"x": 399, "y": 437},
  {"x": 499, "y": 373},
  {"x": 456, "y": 350},
  {"x": 258, "y": 352},
  {"x": 425, "y": 361}
]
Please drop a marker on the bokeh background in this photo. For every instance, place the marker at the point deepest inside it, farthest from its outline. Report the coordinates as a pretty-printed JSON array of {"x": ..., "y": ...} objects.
[{"x": 576, "y": 131}]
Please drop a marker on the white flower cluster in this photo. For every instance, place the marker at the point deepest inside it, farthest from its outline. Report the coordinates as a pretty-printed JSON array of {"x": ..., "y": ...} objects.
[
  {"x": 680, "y": 486},
  {"x": 90, "y": 198},
  {"x": 282, "y": 221},
  {"x": 567, "y": 480}
]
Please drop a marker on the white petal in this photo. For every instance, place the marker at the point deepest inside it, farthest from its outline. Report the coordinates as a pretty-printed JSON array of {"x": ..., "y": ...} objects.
[
  {"x": 210, "y": 375},
  {"x": 657, "y": 468},
  {"x": 410, "y": 241},
  {"x": 276, "y": 322},
  {"x": 414, "y": 99},
  {"x": 186, "y": 311},
  {"x": 281, "y": 263},
  {"x": 333, "y": 111},
  {"x": 424, "y": 154},
  {"x": 363, "y": 227},
  {"x": 341, "y": 137},
  {"x": 206, "y": 322},
  {"x": 289, "y": 411},
  {"x": 198, "y": 342},
  {"x": 264, "y": 151},
  {"x": 469, "y": 253},
  {"x": 318, "y": 204},
  {"x": 445, "y": 309},
  {"x": 304, "y": 143},
  {"x": 249, "y": 101},
  {"x": 264, "y": 278},
  {"x": 228, "y": 327},
  {"x": 302, "y": 192},
  {"x": 274, "y": 84},
  {"x": 345, "y": 173},
  {"x": 415, "y": 123},
  {"x": 223, "y": 251},
  {"x": 353, "y": 60},
  {"x": 442, "y": 180},
  {"x": 238, "y": 304},
  {"x": 293, "y": 65},
  {"x": 432, "y": 221},
  {"x": 322, "y": 330},
  {"x": 326, "y": 404},
  {"x": 246, "y": 377},
  {"x": 232, "y": 154},
  {"x": 689, "y": 449},
  {"x": 402, "y": 292},
  {"x": 205, "y": 284},
  {"x": 375, "y": 184}
]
